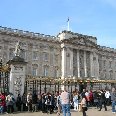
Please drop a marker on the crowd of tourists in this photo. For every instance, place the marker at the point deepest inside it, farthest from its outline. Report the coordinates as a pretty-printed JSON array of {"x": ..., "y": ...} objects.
[{"x": 61, "y": 101}]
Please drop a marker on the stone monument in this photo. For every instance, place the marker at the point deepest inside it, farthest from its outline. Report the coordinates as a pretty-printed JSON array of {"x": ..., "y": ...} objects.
[{"x": 17, "y": 73}]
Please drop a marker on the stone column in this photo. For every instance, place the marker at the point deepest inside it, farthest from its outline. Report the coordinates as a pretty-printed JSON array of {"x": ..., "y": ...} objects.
[
  {"x": 63, "y": 63},
  {"x": 71, "y": 62},
  {"x": 85, "y": 64},
  {"x": 91, "y": 64},
  {"x": 97, "y": 66},
  {"x": 78, "y": 63}
]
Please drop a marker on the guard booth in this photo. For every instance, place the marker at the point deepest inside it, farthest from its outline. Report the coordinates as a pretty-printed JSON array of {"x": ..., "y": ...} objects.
[{"x": 4, "y": 77}]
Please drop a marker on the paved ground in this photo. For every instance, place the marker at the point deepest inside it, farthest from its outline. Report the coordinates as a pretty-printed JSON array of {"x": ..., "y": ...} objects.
[{"x": 90, "y": 112}]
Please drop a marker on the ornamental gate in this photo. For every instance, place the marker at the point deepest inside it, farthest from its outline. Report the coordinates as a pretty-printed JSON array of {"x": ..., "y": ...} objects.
[
  {"x": 44, "y": 85},
  {"x": 47, "y": 84},
  {"x": 4, "y": 77}
]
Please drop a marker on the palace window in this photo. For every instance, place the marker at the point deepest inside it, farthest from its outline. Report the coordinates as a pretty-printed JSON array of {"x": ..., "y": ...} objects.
[
  {"x": 45, "y": 70},
  {"x": 35, "y": 55},
  {"x": 45, "y": 56},
  {"x": 34, "y": 72},
  {"x": 34, "y": 69}
]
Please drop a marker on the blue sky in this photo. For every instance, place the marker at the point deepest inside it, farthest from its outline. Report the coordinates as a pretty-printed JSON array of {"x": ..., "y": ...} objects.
[{"x": 88, "y": 17}]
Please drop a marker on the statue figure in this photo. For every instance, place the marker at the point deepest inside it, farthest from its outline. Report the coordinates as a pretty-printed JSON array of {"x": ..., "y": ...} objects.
[
  {"x": 17, "y": 49},
  {"x": 18, "y": 84}
]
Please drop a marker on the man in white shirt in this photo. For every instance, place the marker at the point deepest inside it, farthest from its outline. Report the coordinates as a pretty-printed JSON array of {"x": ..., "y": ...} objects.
[{"x": 107, "y": 95}]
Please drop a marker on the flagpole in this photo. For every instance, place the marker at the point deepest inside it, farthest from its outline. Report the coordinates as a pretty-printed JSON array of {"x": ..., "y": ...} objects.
[{"x": 68, "y": 24}]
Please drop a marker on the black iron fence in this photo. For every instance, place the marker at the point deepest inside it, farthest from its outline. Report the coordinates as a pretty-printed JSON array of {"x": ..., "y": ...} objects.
[
  {"x": 47, "y": 84},
  {"x": 4, "y": 77},
  {"x": 43, "y": 85}
]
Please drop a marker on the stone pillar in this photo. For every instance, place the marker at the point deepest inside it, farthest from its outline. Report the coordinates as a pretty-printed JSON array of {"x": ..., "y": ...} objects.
[
  {"x": 97, "y": 66},
  {"x": 17, "y": 76},
  {"x": 85, "y": 64},
  {"x": 78, "y": 63},
  {"x": 71, "y": 62},
  {"x": 91, "y": 64},
  {"x": 63, "y": 65}
]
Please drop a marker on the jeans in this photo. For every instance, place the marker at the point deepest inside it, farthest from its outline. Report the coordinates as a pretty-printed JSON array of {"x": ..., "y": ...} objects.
[
  {"x": 76, "y": 105},
  {"x": 113, "y": 106},
  {"x": 66, "y": 109},
  {"x": 100, "y": 105},
  {"x": 1, "y": 109},
  {"x": 83, "y": 110}
]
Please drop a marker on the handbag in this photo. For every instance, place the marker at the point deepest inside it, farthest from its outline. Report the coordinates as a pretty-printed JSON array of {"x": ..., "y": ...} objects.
[{"x": 85, "y": 108}]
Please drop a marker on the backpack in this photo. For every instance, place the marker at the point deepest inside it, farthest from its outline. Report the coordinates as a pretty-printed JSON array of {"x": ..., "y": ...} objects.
[{"x": 59, "y": 102}]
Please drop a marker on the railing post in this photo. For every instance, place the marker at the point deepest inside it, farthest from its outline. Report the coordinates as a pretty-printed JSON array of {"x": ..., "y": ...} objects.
[
  {"x": 40, "y": 86},
  {"x": 58, "y": 86},
  {"x": 45, "y": 87}
]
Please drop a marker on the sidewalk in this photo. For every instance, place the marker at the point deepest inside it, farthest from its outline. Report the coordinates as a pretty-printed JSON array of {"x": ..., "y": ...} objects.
[{"x": 91, "y": 112}]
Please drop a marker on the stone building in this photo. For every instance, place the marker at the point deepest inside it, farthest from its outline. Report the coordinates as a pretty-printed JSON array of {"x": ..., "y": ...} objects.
[{"x": 66, "y": 55}]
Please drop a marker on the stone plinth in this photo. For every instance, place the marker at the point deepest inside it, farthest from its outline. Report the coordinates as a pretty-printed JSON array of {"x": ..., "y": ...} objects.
[{"x": 17, "y": 75}]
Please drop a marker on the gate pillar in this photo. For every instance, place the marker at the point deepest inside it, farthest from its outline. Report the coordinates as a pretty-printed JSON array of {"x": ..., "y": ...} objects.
[{"x": 17, "y": 76}]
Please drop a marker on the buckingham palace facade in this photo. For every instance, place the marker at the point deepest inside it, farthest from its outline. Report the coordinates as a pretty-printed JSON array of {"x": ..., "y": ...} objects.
[{"x": 66, "y": 55}]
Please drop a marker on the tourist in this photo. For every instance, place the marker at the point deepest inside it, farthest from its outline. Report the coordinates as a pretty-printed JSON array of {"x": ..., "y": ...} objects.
[
  {"x": 43, "y": 103},
  {"x": 2, "y": 103},
  {"x": 102, "y": 100},
  {"x": 87, "y": 98},
  {"x": 96, "y": 99},
  {"x": 107, "y": 95},
  {"x": 59, "y": 103},
  {"x": 10, "y": 101},
  {"x": 75, "y": 100},
  {"x": 83, "y": 93},
  {"x": 24, "y": 100},
  {"x": 18, "y": 103},
  {"x": 34, "y": 102},
  {"x": 39, "y": 101},
  {"x": 29, "y": 102},
  {"x": 65, "y": 101},
  {"x": 91, "y": 98},
  {"x": 84, "y": 105},
  {"x": 113, "y": 99}
]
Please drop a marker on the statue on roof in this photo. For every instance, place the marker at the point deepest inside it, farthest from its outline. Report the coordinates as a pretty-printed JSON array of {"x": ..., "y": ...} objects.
[{"x": 17, "y": 49}]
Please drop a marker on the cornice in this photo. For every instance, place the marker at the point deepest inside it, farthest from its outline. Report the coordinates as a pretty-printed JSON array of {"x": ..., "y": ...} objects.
[{"x": 27, "y": 34}]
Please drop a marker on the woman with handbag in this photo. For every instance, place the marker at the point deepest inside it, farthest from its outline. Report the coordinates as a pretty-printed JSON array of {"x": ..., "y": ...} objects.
[{"x": 84, "y": 105}]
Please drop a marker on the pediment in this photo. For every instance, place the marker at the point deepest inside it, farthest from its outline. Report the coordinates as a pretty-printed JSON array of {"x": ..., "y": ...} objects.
[{"x": 82, "y": 41}]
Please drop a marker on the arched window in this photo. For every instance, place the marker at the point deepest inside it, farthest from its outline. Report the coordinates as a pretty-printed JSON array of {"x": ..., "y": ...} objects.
[
  {"x": 35, "y": 55},
  {"x": 45, "y": 56},
  {"x": 46, "y": 70},
  {"x": 34, "y": 69}
]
